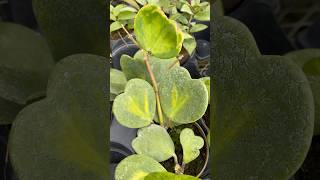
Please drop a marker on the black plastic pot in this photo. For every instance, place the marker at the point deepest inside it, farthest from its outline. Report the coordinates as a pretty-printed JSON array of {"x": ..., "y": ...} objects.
[
  {"x": 309, "y": 38},
  {"x": 258, "y": 16},
  {"x": 22, "y": 13}
]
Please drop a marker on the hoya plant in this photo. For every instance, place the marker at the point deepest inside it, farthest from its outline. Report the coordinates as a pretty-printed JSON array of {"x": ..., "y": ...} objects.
[
  {"x": 121, "y": 15},
  {"x": 155, "y": 94},
  {"x": 184, "y": 12}
]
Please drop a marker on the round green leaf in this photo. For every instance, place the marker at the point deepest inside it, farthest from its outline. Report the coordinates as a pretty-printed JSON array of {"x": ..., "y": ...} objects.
[
  {"x": 73, "y": 26},
  {"x": 25, "y": 63},
  {"x": 156, "y": 33},
  {"x": 263, "y": 109},
  {"x": 115, "y": 26},
  {"x": 168, "y": 176},
  {"x": 64, "y": 136},
  {"x": 154, "y": 141},
  {"x": 137, "y": 167},
  {"x": 308, "y": 60},
  {"x": 191, "y": 145},
  {"x": 183, "y": 100},
  {"x": 135, "y": 108},
  {"x": 118, "y": 82}
]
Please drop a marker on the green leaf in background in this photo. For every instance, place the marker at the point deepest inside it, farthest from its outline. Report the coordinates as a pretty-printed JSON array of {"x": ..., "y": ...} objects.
[
  {"x": 135, "y": 108},
  {"x": 154, "y": 141},
  {"x": 191, "y": 145},
  {"x": 73, "y": 26},
  {"x": 198, "y": 27},
  {"x": 309, "y": 61},
  {"x": 133, "y": 3},
  {"x": 203, "y": 15},
  {"x": 206, "y": 81},
  {"x": 142, "y": 2},
  {"x": 185, "y": 8},
  {"x": 168, "y": 176},
  {"x": 115, "y": 26},
  {"x": 25, "y": 64},
  {"x": 136, "y": 68},
  {"x": 183, "y": 100},
  {"x": 263, "y": 109},
  {"x": 156, "y": 33},
  {"x": 190, "y": 45},
  {"x": 66, "y": 131},
  {"x": 137, "y": 167},
  {"x": 118, "y": 82}
]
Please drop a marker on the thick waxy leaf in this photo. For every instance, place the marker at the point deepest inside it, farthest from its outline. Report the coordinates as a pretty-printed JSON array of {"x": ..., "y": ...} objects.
[
  {"x": 73, "y": 26},
  {"x": 64, "y": 136},
  {"x": 156, "y": 33},
  {"x": 136, "y": 67},
  {"x": 206, "y": 81},
  {"x": 19, "y": 80},
  {"x": 118, "y": 82},
  {"x": 204, "y": 15},
  {"x": 191, "y": 145},
  {"x": 168, "y": 176},
  {"x": 154, "y": 141},
  {"x": 137, "y": 167},
  {"x": 309, "y": 61},
  {"x": 135, "y": 108},
  {"x": 198, "y": 27},
  {"x": 263, "y": 109},
  {"x": 183, "y": 100},
  {"x": 115, "y": 26},
  {"x": 190, "y": 44}
]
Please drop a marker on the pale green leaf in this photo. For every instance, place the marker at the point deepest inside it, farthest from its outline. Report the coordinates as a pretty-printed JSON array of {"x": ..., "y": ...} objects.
[
  {"x": 154, "y": 141},
  {"x": 115, "y": 26},
  {"x": 135, "y": 108},
  {"x": 190, "y": 45},
  {"x": 185, "y": 8},
  {"x": 168, "y": 176},
  {"x": 184, "y": 100},
  {"x": 198, "y": 27},
  {"x": 156, "y": 33},
  {"x": 206, "y": 81},
  {"x": 118, "y": 81},
  {"x": 191, "y": 145},
  {"x": 137, "y": 167}
]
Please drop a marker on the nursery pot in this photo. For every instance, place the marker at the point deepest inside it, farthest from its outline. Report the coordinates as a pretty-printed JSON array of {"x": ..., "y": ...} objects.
[
  {"x": 22, "y": 13},
  {"x": 120, "y": 141},
  {"x": 198, "y": 166},
  {"x": 258, "y": 16},
  {"x": 309, "y": 38}
]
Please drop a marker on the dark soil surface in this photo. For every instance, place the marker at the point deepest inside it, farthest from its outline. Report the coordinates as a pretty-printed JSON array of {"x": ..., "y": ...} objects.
[{"x": 194, "y": 167}]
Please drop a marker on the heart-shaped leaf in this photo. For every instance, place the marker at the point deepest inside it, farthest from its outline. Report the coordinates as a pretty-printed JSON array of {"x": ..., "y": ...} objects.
[
  {"x": 136, "y": 68},
  {"x": 263, "y": 108},
  {"x": 135, "y": 108},
  {"x": 67, "y": 131},
  {"x": 73, "y": 26},
  {"x": 168, "y": 176},
  {"x": 154, "y": 141},
  {"x": 191, "y": 145},
  {"x": 137, "y": 167},
  {"x": 20, "y": 82},
  {"x": 156, "y": 33},
  {"x": 308, "y": 60},
  {"x": 183, "y": 100},
  {"x": 118, "y": 82},
  {"x": 190, "y": 44}
]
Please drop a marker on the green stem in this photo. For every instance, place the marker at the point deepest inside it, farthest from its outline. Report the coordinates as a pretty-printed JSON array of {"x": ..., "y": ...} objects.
[{"x": 155, "y": 87}]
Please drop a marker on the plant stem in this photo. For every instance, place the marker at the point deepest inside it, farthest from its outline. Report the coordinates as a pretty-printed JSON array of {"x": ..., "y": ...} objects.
[
  {"x": 155, "y": 87},
  {"x": 153, "y": 80}
]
